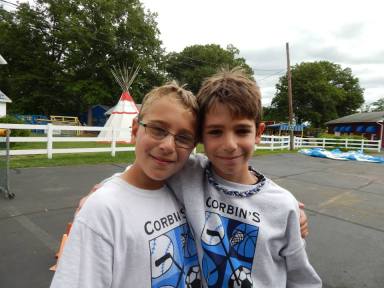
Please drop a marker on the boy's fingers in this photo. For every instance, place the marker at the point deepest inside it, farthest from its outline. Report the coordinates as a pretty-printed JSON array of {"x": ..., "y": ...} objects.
[
  {"x": 97, "y": 186},
  {"x": 304, "y": 229}
]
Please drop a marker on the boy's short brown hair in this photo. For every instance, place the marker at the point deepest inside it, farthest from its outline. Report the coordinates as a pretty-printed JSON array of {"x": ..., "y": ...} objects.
[
  {"x": 235, "y": 90},
  {"x": 175, "y": 91}
]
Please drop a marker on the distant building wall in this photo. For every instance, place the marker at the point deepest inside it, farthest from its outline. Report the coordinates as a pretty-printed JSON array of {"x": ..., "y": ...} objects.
[
  {"x": 3, "y": 109},
  {"x": 368, "y": 130}
]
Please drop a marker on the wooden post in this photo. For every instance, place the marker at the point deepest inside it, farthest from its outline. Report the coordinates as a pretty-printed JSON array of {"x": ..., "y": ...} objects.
[{"x": 290, "y": 109}]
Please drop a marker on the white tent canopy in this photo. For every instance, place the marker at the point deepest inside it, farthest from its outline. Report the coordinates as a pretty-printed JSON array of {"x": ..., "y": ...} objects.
[{"x": 121, "y": 119}]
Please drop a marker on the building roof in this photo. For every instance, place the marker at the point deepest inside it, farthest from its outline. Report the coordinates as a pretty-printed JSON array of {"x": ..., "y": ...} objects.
[
  {"x": 285, "y": 127},
  {"x": 4, "y": 98},
  {"x": 105, "y": 107},
  {"x": 360, "y": 117}
]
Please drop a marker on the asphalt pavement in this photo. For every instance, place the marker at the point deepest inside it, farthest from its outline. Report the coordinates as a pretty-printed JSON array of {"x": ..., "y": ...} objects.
[{"x": 344, "y": 202}]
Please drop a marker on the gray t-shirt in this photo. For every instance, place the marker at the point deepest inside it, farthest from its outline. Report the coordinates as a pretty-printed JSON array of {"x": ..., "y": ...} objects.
[
  {"x": 253, "y": 240},
  {"x": 129, "y": 237}
]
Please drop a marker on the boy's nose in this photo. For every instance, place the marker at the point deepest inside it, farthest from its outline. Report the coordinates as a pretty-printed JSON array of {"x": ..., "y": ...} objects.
[
  {"x": 168, "y": 142},
  {"x": 230, "y": 143}
]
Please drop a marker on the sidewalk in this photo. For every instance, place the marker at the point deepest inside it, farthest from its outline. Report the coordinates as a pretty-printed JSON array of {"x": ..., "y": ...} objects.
[{"x": 344, "y": 202}]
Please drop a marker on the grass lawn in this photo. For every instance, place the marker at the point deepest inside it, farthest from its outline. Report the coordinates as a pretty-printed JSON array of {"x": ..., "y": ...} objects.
[
  {"x": 60, "y": 145},
  {"x": 26, "y": 161}
]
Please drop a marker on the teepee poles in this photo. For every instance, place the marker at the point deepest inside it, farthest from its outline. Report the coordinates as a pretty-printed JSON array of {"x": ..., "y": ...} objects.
[{"x": 124, "y": 76}]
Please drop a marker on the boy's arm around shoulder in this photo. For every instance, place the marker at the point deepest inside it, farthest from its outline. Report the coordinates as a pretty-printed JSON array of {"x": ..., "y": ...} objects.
[
  {"x": 300, "y": 272},
  {"x": 87, "y": 257},
  {"x": 191, "y": 175}
]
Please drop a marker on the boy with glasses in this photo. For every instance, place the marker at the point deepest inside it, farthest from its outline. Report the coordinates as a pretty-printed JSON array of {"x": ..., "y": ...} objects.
[{"x": 132, "y": 232}]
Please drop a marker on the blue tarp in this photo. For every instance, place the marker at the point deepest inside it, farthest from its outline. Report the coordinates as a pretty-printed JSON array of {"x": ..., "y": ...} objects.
[{"x": 339, "y": 155}]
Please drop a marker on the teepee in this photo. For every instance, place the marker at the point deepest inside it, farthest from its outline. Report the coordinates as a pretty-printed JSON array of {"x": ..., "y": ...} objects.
[{"x": 125, "y": 111}]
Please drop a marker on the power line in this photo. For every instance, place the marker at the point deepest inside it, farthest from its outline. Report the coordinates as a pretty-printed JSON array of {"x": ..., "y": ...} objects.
[
  {"x": 9, "y": 3},
  {"x": 265, "y": 70},
  {"x": 281, "y": 72}
]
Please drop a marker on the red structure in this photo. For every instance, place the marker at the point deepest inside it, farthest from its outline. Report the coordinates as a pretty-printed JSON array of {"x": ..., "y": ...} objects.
[{"x": 369, "y": 125}]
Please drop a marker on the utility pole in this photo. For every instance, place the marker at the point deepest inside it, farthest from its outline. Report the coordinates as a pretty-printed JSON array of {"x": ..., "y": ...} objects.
[{"x": 290, "y": 109}]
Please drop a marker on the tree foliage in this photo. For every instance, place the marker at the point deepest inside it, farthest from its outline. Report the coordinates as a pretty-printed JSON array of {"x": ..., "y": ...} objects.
[
  {"x": 60, "y": 53},
  {"x": 197, "y": 62},
  {"x": 378, "y": 105},
  {"x": 322, "y": 91}
]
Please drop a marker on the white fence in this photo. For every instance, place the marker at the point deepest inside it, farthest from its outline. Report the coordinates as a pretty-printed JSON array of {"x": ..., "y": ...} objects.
[
  {"x": 58, "y": 133},
  {"x": 270, "y": 142},
  {"x": 51, "y": 130},
  {"x": 354, "y": 144}
]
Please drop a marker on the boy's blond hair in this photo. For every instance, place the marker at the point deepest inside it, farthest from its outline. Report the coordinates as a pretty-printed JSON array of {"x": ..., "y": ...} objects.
[
  {"x": 174, "y": 91},
  {"x": 235, "y": 90}
]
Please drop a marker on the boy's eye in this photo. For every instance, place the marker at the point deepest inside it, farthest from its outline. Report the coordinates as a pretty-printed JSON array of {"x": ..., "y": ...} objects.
[
  {"x": 158, "y": 131},
  {"x": 214, "y": 132},
  {"x": 185, "y": 139},
  {"x": 243, "y": 131}
]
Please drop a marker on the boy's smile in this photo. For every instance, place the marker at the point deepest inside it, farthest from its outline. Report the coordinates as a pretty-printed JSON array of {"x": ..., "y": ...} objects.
[
  {"x": 162, "y": 161},
  {"x": 157, "y": 160},
  {"x": 229, "y": 143}
]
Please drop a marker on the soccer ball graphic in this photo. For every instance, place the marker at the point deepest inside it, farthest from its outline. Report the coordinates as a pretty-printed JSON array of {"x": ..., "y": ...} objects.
[
  {"x": 241, "y": 278},
  {"x": 193, "y": 280}
]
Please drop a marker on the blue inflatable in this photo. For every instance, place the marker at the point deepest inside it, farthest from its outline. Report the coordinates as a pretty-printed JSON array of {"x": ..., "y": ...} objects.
[{"x": 339, "y": 155}]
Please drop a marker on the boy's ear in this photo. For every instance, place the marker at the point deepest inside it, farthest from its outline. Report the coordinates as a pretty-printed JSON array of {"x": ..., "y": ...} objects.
[
  {"x": 259, "y": 132},
  {"x": 135, "y": 128}
]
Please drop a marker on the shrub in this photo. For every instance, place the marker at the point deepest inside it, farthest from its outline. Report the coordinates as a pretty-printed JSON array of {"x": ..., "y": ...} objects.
[
  {"x": 342, "y": 136},
  {"x": 15, "y": 132}
]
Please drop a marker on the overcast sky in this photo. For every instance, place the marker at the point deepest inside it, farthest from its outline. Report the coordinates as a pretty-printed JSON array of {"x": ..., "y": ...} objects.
[{"x": 349, "y": 33}]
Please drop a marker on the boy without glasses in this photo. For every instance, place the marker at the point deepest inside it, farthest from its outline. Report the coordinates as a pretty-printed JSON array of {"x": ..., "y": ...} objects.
[
  {"x": 246, "y": 227},
  {"x": 132, "y": 232}
]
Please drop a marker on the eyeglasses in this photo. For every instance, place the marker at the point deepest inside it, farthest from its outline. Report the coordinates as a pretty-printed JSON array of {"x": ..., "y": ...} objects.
[{"x": 186, "y": 141}]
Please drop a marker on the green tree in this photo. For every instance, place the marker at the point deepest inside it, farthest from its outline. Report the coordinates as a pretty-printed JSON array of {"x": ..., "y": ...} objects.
[
  {"x": 322, "y": 91},
  {"x": 60, "y": 53},
  {"x": 197, "y": 62},
  {"x": 28, "y": 77},
  {"x": 378, "y": 105}
]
